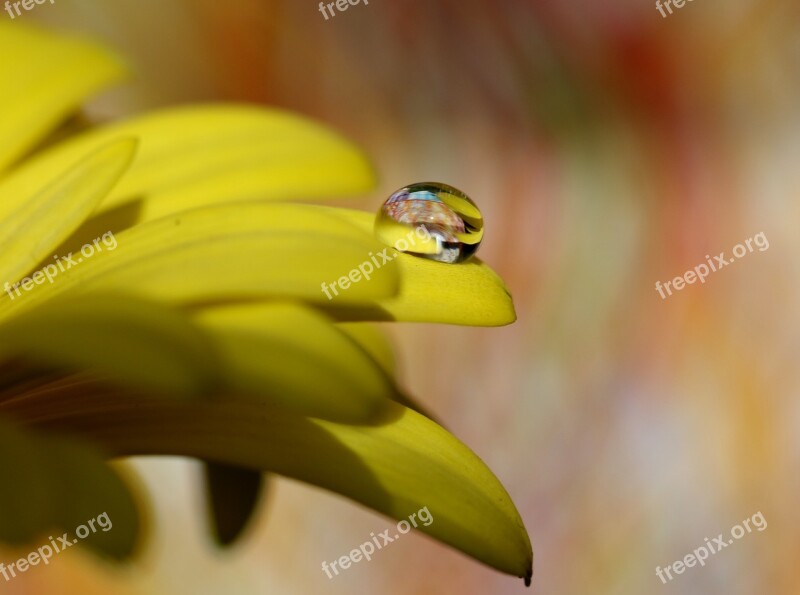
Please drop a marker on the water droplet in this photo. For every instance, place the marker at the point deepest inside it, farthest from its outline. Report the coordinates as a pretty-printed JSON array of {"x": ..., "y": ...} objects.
[{"x": 432, "y": 220}]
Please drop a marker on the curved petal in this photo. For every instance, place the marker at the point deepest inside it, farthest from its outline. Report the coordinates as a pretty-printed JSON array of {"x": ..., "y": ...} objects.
[
  {"x": 41, "y": 222},
  {"x": 398, "y": 466},
  {"x": 56, "y": 76},
  {"x": 49, "y": 493},
  {"x": 128, "y": 341},
  {"x": 374, "y": 341},
  {"x": 260, "y": 351},
  {"x": 468, "y": 293},
  {"x": 295, "y": 358},
  {"x": 201, "y": 155},
  {"x": 28, "y": 509},
  {"x": 240, "y": 252},
  {"x": 73, "y": 466}
]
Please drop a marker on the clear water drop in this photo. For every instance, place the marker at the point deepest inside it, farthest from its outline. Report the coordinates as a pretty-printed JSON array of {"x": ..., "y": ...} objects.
[{"x": 431, "y": 220}]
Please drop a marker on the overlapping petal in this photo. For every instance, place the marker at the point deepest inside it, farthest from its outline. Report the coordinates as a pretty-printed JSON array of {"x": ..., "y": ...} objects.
[
  {"x": 201, "y": 155},
  {"x": 294, "y": 357},
  {"x": 374, "y": 341},
  {"x": 228, "y": 252},
  {"x": 127, "y": 341},
  {"x": 47, "y": 217},
  {"x": 44, "y": 78},
  {"x": 277, "y": 385},
  {"x": 50, "y": 476},
  {"x": 396, "y": 465},
  {"x": 261, "y": 351},
  {"x": 469, "y": 293}
]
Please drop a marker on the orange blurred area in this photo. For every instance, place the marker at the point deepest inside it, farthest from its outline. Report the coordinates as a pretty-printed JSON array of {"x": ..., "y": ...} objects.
[{"x": 609, "y": 148}]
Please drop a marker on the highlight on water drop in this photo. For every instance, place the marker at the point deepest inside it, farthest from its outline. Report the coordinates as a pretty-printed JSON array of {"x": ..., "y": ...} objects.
[{"x": 453, "y": 222}]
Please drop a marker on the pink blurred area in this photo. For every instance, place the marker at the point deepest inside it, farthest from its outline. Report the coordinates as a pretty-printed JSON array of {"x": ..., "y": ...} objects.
[{"x": 609, "y": 148}]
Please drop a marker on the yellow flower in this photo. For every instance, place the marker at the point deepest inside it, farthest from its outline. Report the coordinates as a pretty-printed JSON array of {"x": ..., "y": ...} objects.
[{"x": 159, "y": 298}]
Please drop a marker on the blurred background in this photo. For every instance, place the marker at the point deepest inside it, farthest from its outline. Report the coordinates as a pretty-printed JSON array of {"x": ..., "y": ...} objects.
[{"x": 609, "y": 148}]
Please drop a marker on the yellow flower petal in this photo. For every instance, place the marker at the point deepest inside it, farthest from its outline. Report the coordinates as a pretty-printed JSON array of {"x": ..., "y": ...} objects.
[
  {"x": 45, "y": 77},
  {"x": 468, "y": 293},
  {"x": 397, "y": 466},
  {"x": 257, "y": 350},
  {"x": 125, "y": 340},
  {"x": 48, "y": 495},
  {"x": 228, "y": 252},
  {"x": 43, "y": 221},
  {"x": 372, "y": 340},
  {"x": 74, "y": 466},
  {"x": 298, "y": 360},
  {"x": 27, "y": 508},
  {"x": 376, "y": 343},
  {"x": 195, "y": 156}
]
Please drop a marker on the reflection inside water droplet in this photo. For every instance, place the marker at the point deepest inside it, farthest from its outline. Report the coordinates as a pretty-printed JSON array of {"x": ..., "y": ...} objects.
[{"x": 432, "y": 220}]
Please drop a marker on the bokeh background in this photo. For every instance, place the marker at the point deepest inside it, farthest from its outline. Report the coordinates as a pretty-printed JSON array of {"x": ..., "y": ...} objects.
[{"x": 609, "y": 148}]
